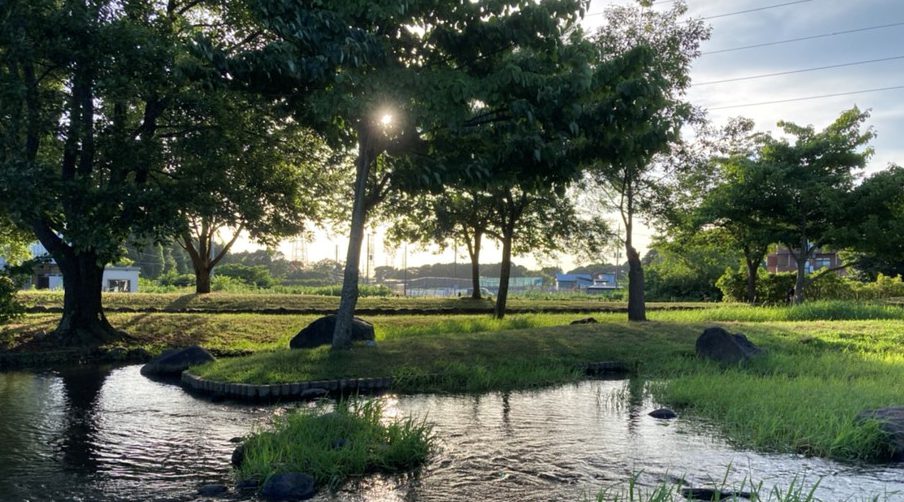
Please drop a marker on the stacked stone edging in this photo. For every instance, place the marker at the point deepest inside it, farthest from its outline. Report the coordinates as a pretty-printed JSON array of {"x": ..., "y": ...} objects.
[{"x": 302, "y": 390}]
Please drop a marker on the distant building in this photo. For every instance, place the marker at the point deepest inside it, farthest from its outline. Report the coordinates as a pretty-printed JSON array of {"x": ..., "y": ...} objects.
[
  {"x": 47, "y": 275},
  {"x": 603, "y": 282},
  {"x": 781, "y": 260},
  {"x": 573, "y": 282}
]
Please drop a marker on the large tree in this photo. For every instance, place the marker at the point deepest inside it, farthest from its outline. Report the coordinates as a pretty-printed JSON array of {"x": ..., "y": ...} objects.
[
  {"x": 806, "y": 186},
  {"x": 669, "y": 43},
  {"x": 247, "y": 170},
  {"x": 85, "y": 88}
]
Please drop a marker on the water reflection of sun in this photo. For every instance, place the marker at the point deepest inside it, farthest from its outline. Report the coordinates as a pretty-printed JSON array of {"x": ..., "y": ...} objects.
[{"x": 390, "y": 405}]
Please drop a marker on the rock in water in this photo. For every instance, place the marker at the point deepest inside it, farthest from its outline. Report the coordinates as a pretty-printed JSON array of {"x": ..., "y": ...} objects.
[
  {"x": 891, "y": 422},
  {"x": 721, "y": 346},
  {"x": 212, "y": 490},
  {"x": 288, "y": 486},
  {"x": 320, "y": 332},
  {"x": 238, "y": 456},
  {"x": 174, "y": 361},
  {"x": 710, "y": 494},
  {"x": 664, "y": 413}
]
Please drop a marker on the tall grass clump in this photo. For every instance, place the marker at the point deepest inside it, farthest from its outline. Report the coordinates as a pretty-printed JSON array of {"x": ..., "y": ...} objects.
[
  {"x": 810, "y": 311},
  {"x": 332, "y": 446},
  {"x": 798, "y": 490}
]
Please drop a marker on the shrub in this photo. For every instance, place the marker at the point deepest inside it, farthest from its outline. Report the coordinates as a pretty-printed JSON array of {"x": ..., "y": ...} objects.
[
  {"x": 772, "y": 289},
  {"x": 257, "y": 276},
  {"x": 9, "y": 306},
  {"x": 177, "y": 280}
]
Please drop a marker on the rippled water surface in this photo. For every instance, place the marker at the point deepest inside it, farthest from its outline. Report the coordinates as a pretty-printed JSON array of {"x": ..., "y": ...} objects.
[{"x": 111, "y": 434}]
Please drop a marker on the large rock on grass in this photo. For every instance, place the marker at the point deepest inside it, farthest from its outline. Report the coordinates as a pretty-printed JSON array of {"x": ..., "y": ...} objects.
[
  {"x": 320, "y": 332},
  {"x": 891, "y": 422},
  {"x": 174, "y": 361},
  {"x": 719, "y": 345},
  {"x": 288, "y": 486}
]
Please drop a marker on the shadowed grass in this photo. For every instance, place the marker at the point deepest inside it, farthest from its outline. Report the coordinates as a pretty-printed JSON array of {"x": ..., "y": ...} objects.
[{"x": 350, "y": 441}]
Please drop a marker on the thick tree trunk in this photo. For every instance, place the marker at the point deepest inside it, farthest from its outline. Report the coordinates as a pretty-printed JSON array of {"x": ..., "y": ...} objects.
[
  {"x": 474, "y": 253},
  {"x": 753, "y": 268},
  {"x": 84, "y": 322},
  {"x": 342, "y": 336},
  {"x": 202, "y": 278},
  {"x": 505, "y": 271}
]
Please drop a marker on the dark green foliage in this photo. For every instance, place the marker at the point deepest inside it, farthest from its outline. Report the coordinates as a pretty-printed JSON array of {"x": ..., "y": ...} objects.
[
  {"x": 687, "y": 268},
  {"x": 774, "y": 289},
  {"x": 10, "y": 308},
  {"x": 257, "y": 276}
]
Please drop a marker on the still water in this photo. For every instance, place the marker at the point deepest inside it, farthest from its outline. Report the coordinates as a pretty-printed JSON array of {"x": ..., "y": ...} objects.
[{"x": 110, "y": 434}]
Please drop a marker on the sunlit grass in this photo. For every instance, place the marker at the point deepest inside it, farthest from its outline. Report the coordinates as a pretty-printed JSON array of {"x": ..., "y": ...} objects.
[{"x": 332, "y": 446}]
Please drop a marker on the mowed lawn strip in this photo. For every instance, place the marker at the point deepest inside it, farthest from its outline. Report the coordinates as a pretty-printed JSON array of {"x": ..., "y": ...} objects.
[
  {"x": 224, "y": 301},
  {"x": 229, "y": 333}
]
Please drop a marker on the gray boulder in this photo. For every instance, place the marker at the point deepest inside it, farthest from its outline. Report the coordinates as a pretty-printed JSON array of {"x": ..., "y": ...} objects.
[
  {"x": 320, "y": 332},
  {"x": 288, "y": 486},
  {"x": 174, "y": 361},
  {"x": 726, "y": 348},
  {"x": 891, "y": 422}
]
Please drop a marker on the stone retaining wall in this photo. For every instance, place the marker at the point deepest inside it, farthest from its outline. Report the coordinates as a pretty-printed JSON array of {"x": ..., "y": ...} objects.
[{"x": 317, "y": 388}]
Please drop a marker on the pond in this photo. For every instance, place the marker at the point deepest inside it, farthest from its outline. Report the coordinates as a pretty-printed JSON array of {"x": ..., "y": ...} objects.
[{"x": 110, "y": 434}]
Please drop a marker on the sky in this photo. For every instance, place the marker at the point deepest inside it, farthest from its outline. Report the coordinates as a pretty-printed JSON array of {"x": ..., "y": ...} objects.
[{"x": 766, "y": 21}]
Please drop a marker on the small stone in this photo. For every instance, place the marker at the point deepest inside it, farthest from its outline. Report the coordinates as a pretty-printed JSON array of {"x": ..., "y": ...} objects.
[
  {"x": 238, "y": 456},
  {"x": 247, "y": 485},
  {"x": 663, "y": 413},
  {"x": 288, "y": 486},
  {"x": 586, "y": 320},
  {"x": 212, "y": 490}
]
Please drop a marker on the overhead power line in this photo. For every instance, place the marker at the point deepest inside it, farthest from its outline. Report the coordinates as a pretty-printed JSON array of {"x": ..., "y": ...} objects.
[
  {"x": 808, "y": 98},
  {"x": 767, "y": 7},
  {"x": 801, "y": 39},
  {"x": 802, "y": 70}
]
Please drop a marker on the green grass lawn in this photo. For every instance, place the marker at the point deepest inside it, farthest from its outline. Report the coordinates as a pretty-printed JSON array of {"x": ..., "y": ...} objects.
[{"x": 260, "y": 301}]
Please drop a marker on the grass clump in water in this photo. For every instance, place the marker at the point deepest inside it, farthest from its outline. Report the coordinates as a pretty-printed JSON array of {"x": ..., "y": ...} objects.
[{"x": 350, "y": 441}]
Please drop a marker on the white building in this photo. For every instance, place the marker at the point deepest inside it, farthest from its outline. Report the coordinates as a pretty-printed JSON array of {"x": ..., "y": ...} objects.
[{"x": 47, "y": 275}]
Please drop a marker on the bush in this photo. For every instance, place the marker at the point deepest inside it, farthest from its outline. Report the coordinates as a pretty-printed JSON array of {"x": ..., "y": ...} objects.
[
  {"x": 177, "y": 280},
  {"x": 257, "y": 276},
  {"x": 9, "y": 306},
  {"x": 772, "y": 289}
]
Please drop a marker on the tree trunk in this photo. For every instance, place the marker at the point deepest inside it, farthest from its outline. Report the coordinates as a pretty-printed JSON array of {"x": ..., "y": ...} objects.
[
  {"x": 505, "y": 271},
  {"x": 753, "y": 268},
  {"x": 800, "y": 282},
  {"x": 342, "y": 336},
  {"x": 83, "y": 322},
  {"x": 474, "y": 253},
  {"x": 637, "y": 308},
  {"x": 202, "y": 278}
]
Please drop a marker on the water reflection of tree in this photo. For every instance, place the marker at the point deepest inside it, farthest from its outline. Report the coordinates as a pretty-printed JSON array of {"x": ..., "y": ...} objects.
[
  {"x": 635, "y": 389},
  {"x": 82, "y": 386}
]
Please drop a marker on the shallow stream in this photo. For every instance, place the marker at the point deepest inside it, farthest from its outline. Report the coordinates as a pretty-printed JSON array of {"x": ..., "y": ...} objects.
[{"x": 110, "y": 434}]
